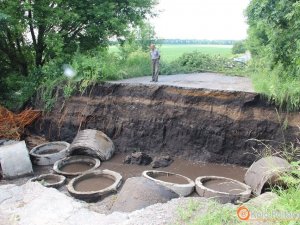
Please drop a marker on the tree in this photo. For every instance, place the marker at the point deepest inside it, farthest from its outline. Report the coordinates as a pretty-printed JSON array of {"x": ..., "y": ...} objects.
[
  {"x": 274, "y": 41},
  {"x": 274, "y": 32},
  {"x": 34, "y": 31}
]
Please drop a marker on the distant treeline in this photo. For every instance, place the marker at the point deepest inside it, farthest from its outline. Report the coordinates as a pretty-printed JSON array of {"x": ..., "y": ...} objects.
[
  {"x": 185, "y": 42},
  {"x": 195, "y": 41}
]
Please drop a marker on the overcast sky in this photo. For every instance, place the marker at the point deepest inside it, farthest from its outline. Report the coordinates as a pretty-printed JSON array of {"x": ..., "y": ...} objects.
[{"x": 201, "y": 19}]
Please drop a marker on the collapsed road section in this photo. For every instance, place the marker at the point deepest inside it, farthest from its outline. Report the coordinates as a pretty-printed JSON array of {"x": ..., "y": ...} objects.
[{"x": 198, "y": 124}]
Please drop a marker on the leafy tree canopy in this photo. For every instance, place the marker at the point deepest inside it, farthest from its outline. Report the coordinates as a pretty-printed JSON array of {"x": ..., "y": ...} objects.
[
  {"x": 274, "y": 41},
  {"x": 34, "y": 31},
  {"x": 274, "y": 32}
]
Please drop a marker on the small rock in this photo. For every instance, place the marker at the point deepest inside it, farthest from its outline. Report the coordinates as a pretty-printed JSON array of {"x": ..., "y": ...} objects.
[
  {"x": 162, "y": 161},
  {"x": 265, "y": 199},
  {"x": 138, "y": 158}
]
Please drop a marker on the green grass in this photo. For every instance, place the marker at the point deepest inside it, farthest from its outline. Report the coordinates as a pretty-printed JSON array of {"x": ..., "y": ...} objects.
[
  {"x": 172, "y": 52},
  {"x": 209, "y": 212}
]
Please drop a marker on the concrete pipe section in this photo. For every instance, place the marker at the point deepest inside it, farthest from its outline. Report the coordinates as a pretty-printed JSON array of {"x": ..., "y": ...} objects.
[
  {"x": 92, "y": 143},
  {"x": 222, "y": 189},
  {"x": 92, "y": 186},
  {"x": 181, "y": 185},
  {"x": 48, "y": 153},
  {"x": 265, "y": 172},
  {"x": 50, "y": 180},
  {"x": 76, "y": 165}
]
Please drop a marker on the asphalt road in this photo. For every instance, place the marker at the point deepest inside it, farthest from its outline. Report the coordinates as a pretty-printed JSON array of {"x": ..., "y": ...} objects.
[{"x": 212, "y": 81}]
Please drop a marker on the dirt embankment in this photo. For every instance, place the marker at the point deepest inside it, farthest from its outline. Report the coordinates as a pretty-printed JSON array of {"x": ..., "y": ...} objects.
[{"x": 198, "y": 124}]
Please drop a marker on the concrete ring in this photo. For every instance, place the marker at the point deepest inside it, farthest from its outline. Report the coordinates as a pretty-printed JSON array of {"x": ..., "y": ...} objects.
[{"x": 182, "y": 189}]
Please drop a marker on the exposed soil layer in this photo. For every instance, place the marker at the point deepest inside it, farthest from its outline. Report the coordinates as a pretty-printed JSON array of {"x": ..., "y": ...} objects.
[
  {"x": 171, "y": 178},
  {"x": 198, "y": 124},
  {"x": 93, "y": 184},
  {"x": 224, "y": 186},
  {"x": 76, "y": 167}
]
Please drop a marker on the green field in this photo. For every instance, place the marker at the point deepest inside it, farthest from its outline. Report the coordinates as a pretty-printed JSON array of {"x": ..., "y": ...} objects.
[{"x": 172, "y": 52}]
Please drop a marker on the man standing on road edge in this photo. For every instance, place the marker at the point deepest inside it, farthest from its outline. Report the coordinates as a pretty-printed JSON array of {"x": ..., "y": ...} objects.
[{"x": 155, "y": 56}]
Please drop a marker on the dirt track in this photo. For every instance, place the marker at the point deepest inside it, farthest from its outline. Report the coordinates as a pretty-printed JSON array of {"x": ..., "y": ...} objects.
[{"x": 212, "y": 81}]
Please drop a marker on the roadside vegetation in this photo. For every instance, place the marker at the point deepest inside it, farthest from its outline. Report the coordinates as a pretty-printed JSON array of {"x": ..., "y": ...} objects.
[
  {"x": 274, "y": 42},
  {"x": 37, "y": 38}
]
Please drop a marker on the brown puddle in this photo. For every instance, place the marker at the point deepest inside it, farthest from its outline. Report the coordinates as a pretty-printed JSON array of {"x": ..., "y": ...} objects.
[
  {"x": 76, "y": 167},
  {"x": 224, "y": 186},
  {"x": 49, "y": 180},
  {"x": 93, "y": 184},
  {"x": 183, "y": 167},
  {"x": 171, "y": 178}
]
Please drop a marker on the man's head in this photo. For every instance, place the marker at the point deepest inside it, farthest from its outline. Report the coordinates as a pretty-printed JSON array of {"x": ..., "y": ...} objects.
[{"x": 152, "y": 46}]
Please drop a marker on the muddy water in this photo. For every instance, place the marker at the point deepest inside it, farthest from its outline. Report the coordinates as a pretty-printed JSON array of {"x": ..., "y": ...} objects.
[
  {"x": 172, "y": 179},
  {"x": 186, "y": 168},
  {"x": 76, "y": 167},
  {"x": 93, "y": 184},
  {"x": 224, "y": 186},
  {"x": 49, "y": 180}
]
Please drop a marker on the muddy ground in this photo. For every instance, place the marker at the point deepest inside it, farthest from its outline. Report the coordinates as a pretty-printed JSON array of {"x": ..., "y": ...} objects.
[{"x": 184, "y": 167}]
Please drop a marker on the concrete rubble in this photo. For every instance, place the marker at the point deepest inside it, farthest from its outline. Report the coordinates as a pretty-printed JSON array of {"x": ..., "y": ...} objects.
[
  {"x": 35, "y": 204},
  {"x": 15, "y": 161}
]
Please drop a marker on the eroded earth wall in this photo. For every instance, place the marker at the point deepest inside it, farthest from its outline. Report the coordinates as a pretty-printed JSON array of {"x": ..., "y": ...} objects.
[{"x": 199, "y": 124}]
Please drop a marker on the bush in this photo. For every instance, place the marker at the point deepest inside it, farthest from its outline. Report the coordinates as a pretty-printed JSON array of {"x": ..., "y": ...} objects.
[
  {"x": 136, "y": 64},
  {"x": 275, "y": 44},
  {"x": 19, "y": 89},
  {"x": 278, "y": 86},
  {"x": 199, "y": 62},
  {"x": 239, "y": 47}
]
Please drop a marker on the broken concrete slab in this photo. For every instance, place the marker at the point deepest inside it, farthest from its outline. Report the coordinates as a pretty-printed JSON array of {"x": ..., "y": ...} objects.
[
  {"x": 23, "y": 202},
  {"x": 140, "y": 192},
  {"x": 15, "y": 161},
  {"x": 265, "y": 171},
  {"x": 35, "y": 204}
]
